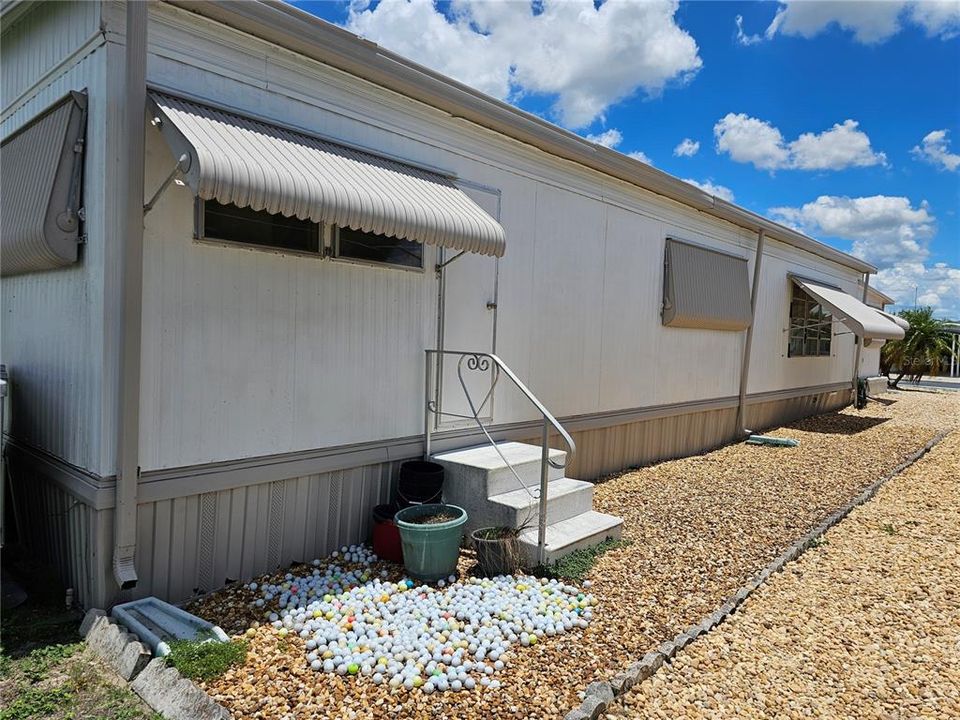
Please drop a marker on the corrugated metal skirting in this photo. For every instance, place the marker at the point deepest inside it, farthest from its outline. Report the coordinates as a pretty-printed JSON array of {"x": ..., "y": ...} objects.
[{"x": 200, "y": 542}]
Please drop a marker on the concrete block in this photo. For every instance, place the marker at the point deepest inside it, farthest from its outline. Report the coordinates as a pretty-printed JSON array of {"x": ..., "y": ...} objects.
[
  {"x": 600, "y": 690},
  {"x": 682, "y": 640},
  {"x": 653, "y": 661},
  {"x": 667, "y": 650},
  {"x": 593, "y": 707},
  {"x": 621, "y": 682},
  {"x": 89, "y": 619},
  {"x": 576, "y": 714},
  {"x": 175, "y": 697},
  {"x": 121, "y": 650},
  {"x": 132, "y": 660}
]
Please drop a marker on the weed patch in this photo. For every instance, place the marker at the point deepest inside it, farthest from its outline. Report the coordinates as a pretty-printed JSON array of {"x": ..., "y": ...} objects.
[
  {"x": 575, "y": 566},
  {"x": 205, "y": 660}
]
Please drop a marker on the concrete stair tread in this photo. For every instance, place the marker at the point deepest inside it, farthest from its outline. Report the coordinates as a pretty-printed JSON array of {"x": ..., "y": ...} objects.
[
  {"x": 588, "y": 528},
  {"x": 486, "y": 457},
  {"x": 520, "y": 499}
]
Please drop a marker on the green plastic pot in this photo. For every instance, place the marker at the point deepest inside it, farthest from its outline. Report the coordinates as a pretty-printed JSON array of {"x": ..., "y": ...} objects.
[{"x": 430, "y": 551}]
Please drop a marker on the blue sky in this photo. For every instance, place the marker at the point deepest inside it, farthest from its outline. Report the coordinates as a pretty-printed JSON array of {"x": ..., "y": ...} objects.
[{"x": 841, "y": 119}]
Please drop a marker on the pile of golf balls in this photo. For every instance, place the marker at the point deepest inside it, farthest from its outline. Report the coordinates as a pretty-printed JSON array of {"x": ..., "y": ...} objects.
[{"x": 404, "y": 635}]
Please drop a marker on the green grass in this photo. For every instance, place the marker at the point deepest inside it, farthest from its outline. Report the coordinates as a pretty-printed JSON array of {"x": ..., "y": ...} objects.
[
  {"x": 45, "y": 672},
  {"x": 205, "y": 660},
  {"x": 577, "y": 565}
]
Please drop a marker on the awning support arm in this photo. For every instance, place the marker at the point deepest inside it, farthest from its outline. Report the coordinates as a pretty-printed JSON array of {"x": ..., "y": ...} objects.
[
  {"x": 441, "y": 266},
  {"x": 182, "y": 166}
]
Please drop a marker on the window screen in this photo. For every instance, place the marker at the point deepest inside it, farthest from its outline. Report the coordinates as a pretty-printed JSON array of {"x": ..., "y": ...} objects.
[
  {"x": 704, "y": 288},
  {"x": 253, "y": 227},
  {"x": 374, "y": 248},
  {"x": 811, "y": 327}
]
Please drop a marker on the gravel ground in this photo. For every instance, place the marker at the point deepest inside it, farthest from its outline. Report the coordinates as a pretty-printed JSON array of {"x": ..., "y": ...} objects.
[
  {"x": 700, "y": 527},
  {"x": 867, "y": 625}
]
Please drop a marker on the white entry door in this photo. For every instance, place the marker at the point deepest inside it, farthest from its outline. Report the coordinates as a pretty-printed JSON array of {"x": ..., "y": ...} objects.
[{"x": 468, "y": 321}]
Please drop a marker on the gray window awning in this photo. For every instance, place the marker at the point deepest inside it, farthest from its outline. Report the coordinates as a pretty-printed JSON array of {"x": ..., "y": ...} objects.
[
  {"x": 894, "y": 318},
  {"x": 234, "y": 159},
  {"x": 862, "y": 319},
  {"x": 41, "y": 168},
  {"x": 704, "y": 288}
]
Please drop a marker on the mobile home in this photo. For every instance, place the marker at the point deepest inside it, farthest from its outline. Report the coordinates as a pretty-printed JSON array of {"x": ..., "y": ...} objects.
[{"x": 252, "y": 262}]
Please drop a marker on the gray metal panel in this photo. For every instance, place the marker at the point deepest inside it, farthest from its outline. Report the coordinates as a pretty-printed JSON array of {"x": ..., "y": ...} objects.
[
  {"x": 253, "y": 164},
  {"x": 40, "y": 175},
  {"x": 704, "y": 288}
]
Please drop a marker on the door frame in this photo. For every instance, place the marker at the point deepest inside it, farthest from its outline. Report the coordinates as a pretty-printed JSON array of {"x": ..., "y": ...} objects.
[{"x": 445, "y": 257}]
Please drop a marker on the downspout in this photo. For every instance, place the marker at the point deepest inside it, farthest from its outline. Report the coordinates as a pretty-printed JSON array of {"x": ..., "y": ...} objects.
[
  {"x": 131, "y": 301},
  {"x": 858, "y": 341},
  {"x": 748, "y": 341}
]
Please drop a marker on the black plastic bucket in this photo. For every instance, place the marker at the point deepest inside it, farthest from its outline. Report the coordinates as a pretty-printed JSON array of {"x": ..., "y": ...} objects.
[{"x": 421, "y": 482}]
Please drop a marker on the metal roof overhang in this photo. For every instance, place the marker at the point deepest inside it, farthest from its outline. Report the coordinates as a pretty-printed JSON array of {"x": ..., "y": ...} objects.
[
  {"x": 863, "y": 320},
  {"x": 298, "y": 31},
  {"x": 250, "y": 163},
  {"x": 894, "y": 318}
]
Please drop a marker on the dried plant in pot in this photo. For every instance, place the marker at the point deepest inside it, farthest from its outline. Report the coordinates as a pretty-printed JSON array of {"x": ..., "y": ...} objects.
[{"x": 498, "y": 550}]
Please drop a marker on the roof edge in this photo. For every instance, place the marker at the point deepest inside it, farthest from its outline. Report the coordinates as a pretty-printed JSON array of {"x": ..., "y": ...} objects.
[{"x": 286, "y": 26}]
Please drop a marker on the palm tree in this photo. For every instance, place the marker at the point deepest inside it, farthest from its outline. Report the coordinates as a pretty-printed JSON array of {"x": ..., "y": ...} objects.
[{"x": 923, "y": 350}]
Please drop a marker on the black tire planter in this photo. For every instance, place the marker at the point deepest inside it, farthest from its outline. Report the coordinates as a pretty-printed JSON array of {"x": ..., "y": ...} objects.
[
  {"x": 421, "y": 483},
  {"x": 498, "y": 550}
]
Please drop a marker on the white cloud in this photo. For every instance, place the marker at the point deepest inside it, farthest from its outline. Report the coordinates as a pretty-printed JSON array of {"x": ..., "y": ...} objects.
[
  {"x": 936, "y": 285},
  {"x": 609, "y": 138},
  {"x": 870, "y": 21},
  {"x": 641, "y": 156},
  {"x": 586, "y": 57},
  {"x": 687, "y": 148},
  {"x": 884, "y": 229},
  {"x": 724, "y": 193},
  {"x": 940, "y": 18},
  {"x": 935, "y": 149},
  {"x": 742, "y": 37},
  {"x": 751, "y": 140},
  {"x": 891, "y": 233},
  {"x": 839, "y": 147}
]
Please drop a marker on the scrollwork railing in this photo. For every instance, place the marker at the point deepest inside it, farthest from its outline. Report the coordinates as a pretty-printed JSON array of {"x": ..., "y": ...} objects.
[{"x": 488, "y": 362}]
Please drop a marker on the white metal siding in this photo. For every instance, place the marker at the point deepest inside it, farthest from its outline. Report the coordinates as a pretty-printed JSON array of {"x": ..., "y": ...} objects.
[
  {"x": 53, "y": 330},
  {"x": 39, "y": 41},
  {"x": 248, "y": 353}
]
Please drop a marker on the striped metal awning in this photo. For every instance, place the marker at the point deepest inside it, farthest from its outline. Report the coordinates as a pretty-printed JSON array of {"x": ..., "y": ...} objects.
[
  {"x": 41, "y": 167},
  {"x": 863, "y": 320},
  {"x": 251, "y": 163}
]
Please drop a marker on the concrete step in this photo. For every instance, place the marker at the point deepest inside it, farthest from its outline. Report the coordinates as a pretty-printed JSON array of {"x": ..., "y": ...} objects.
[
  {"x": 584, "y": 530},
  {"x": 482, "y": 470},
  {"x": 566, "y": 498}
]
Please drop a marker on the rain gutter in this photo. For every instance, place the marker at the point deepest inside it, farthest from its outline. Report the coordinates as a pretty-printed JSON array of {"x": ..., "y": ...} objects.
[
  {"x": 130, "y": 178},
  {"x": 748, "y": 341}
]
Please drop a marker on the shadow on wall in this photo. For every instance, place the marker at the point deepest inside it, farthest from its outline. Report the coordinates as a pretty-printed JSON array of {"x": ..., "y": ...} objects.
[{"x": 837, "y": 424}]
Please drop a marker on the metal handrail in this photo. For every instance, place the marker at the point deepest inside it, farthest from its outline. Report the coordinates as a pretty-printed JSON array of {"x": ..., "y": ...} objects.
[{"x": 482, "y": 361}]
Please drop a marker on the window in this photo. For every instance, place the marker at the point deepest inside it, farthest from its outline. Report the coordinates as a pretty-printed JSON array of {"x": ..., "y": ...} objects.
[
  {"x": 234, "y": 224},
  {"x": 811, "y": 327},
  {"x": 381, "y": 249}
]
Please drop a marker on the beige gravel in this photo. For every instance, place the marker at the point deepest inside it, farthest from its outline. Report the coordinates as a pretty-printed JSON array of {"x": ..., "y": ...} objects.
[
  {"x": 866, "y": 625},
  {"x": 700, "y": 527}
]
